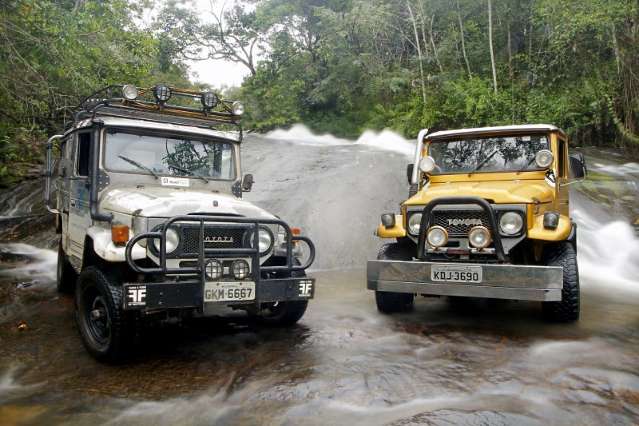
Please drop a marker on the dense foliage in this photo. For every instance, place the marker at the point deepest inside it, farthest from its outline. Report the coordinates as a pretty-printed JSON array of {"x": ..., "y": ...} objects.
[
  {"x": 343, "y": 66},
  {"x": 53, "y": 52},
  {"x": 339, "y": 66}
]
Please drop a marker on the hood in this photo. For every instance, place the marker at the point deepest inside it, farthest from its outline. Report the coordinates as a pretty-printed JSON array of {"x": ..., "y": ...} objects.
[
  {"x": 501, "y": 192},
  {"x": 167, "y": 202}
]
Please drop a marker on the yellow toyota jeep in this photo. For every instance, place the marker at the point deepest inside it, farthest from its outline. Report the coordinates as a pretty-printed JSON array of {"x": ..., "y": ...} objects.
[{"x": 487, "y": 217}]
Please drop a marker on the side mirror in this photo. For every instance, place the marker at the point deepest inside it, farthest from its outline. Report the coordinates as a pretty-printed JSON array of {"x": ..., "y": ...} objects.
[
  {"x": 578, "y": 168},
  {"x": 247, "y": 182},
  {"x": 409, "y": 172}
]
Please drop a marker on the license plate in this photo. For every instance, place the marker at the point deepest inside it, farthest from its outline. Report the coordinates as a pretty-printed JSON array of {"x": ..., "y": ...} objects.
[
  {"x": 456, "y": 273},
  {"x": 229, "y": 292}
]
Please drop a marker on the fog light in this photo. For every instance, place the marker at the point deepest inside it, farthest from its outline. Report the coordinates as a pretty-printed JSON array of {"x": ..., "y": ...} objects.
[
  {"x": 479, "y": 237},
  {"x": 213, "y": 269},
  {"x": 551, "y": 220},
  {"x": 162, "y": 93},
  {"x": 129, "y": 92},
  {"x": 388, "y": 220},
  {"x": 209, "y": 100},
  {"x": 238, "y": 108},
  {"x": 240, "y": 269},
  {"x": 437, "y": 236}
]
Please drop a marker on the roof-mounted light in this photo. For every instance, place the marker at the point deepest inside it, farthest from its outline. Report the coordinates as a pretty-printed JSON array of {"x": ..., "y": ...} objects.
[
  {"x": 209, "y": 100},
  {"x": 238, "y": 108},
  {"x": 129, "y": 92},
  {"x": 162, "y": 93}
]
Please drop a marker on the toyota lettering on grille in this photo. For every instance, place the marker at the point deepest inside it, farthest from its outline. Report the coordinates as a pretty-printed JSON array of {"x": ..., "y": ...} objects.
[
  {"x": 466, "y": 222},
  {"x": 219, "y": 239}
]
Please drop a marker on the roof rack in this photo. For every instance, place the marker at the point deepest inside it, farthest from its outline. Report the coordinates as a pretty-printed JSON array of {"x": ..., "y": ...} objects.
[{"x": 152, "y": 104}]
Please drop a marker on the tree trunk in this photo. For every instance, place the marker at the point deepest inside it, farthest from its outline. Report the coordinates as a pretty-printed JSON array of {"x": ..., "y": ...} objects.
[
  {"x": 432, "y": 42},
  {"x": 419, "y": 51},
  {"x": 490, "y": 43},
  {"x": 463, "y": 43}
]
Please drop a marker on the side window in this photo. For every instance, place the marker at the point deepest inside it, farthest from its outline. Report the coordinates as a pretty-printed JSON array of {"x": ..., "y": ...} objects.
[
  {"x": 562, "y": 158},
  {"x": 83, "y": 154}
]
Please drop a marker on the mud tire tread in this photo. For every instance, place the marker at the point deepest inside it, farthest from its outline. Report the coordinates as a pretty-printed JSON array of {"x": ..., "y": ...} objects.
[
  {"x": 567, "y": 310},
  {"x": 388, "y": 302},
  {"x": 124, "y": 325}
]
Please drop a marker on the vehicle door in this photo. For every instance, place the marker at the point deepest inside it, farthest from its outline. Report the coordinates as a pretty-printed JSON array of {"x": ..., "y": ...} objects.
[
  {"x": 63, "y": 170},
  {"x": 79, "y": 209},
  {"x": 562, "y": 178}
]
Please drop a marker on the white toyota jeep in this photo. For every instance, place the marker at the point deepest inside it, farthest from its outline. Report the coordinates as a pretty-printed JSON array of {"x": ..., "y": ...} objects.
[{"x": 146, "y": 189}]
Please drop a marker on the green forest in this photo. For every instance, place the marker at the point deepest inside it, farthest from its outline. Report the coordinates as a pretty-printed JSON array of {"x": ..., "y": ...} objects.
[{"x": 336, "y": 66}]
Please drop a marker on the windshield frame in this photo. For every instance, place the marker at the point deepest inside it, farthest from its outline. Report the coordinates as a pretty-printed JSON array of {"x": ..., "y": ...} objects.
[
  {"x": 139, "y": 131},
  {"x": 454, "y": 138}
]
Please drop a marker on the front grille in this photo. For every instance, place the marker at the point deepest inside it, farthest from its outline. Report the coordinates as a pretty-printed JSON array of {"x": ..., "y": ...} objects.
[
  {"x": 457, "y": 228},
  {"x": 220, "y": 237}
]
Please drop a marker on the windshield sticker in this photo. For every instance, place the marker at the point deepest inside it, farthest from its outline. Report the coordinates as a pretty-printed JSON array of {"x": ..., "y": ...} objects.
[{"x": 174, "y": 181}]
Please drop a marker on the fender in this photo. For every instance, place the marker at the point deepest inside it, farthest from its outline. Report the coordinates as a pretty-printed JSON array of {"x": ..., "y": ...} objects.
[{"x": 104, "y": 247}]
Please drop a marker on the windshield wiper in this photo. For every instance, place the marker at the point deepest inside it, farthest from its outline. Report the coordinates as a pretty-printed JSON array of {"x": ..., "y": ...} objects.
[
  {"x": 139, "y": 166},
  {"x": 523, "y": 169},
  {"x": 189, "y": 172},
  {"x": 484, "y": 161}
]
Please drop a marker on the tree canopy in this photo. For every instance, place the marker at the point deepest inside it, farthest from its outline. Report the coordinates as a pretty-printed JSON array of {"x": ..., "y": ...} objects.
[{"x": 339, "y": 66}]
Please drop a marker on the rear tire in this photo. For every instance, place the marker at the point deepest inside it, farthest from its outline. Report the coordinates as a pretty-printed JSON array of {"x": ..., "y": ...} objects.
[
  {"x": 389, "y": 302},
  {"x": 66, "y": 276},
  {"x": 108, "y": 332},
  {"x": 567, "y": 310}
]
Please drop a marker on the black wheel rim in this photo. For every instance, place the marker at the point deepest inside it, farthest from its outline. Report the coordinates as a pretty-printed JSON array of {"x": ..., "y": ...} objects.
[{"x": 97, "y": 318}]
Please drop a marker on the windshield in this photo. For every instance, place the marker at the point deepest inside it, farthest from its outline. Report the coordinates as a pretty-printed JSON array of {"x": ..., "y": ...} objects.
[
  {"x": 487, "y": 154},
  {"x": 169, "y": 156}
]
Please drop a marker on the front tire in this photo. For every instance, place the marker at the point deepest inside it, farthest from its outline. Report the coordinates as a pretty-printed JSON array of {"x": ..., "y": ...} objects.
[
  {"x": 66, "y": 276},
  {"x": 388, "y": 302},
  {"x": 107, "y": 331},
  {"x": 567, "y": 310},
  {"x": 284, "y": 313}
]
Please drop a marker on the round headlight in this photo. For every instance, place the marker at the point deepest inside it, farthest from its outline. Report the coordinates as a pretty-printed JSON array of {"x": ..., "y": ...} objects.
[
  {"x": 240, "y": 269},
  {"x": 265, "y": 238},
  {"x": 172, "y": 241},
  {"x": 238, "y": 108},
  {"x": 479, "y": 237},
  {"x": 209, "y": 100},
  {"x": 437, "y": 236},
  {"x": 162, "y": 93},
  {"x": 213, "y": 269},
  {"x": 543, "y": 158},
  {"x": 129, "y": 92},
  {"x": 414, "y": 223},
  {"x": 427, "y": 164},
  {"x": 510, "y": 223}
]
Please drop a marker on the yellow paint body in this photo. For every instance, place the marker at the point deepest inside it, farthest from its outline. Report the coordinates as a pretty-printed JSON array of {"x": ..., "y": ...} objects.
[{"x": 530, "y": 188}]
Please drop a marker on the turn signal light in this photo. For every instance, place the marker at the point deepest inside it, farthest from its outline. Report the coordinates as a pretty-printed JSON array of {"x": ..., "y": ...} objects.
[
  {"x": 296, "y": 231},
  {"x": 119, "y": 234}
]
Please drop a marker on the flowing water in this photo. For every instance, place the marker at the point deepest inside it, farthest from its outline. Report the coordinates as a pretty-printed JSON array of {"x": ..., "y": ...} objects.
[{"x": 488, "y": 363}]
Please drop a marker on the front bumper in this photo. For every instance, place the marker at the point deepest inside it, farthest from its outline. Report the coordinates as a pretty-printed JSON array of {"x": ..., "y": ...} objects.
[
  {"x": 184, "y": 287},
  {"x": 516, "y": 282},
  {"x": 190, "y": 294}
]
